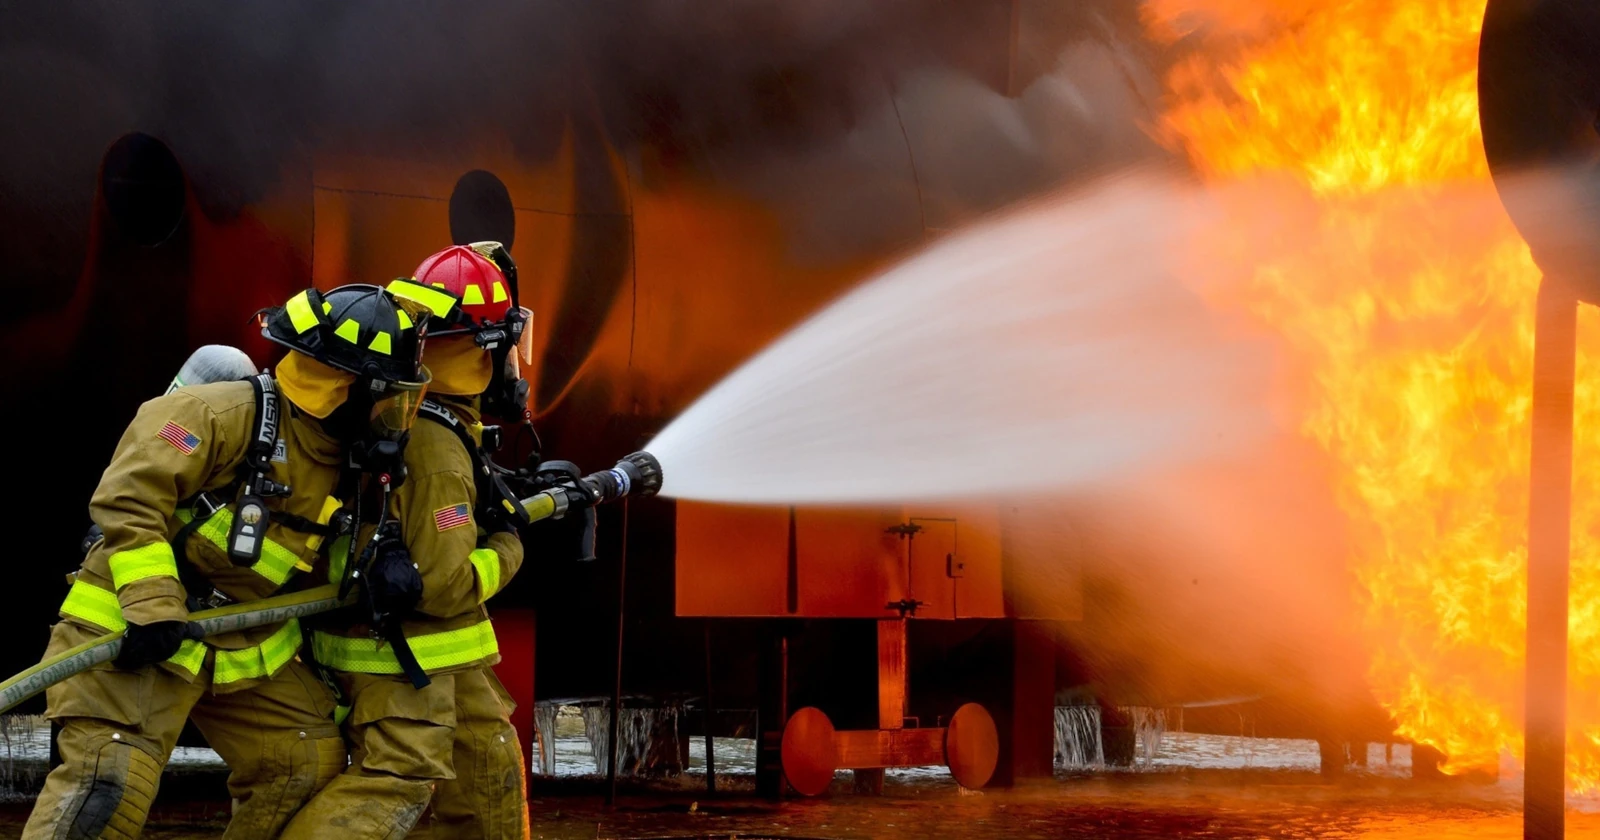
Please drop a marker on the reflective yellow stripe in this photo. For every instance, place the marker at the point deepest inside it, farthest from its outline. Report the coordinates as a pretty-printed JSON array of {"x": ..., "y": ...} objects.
[
  {"x": 146, "y": 561},
  {"x": 434, "y": 651},
  {"x": 487, "y": 563},
  {"x": 330, "y": 506},
  {"x": 405, "y": 320},
  {"x": 349, "y": 331},
  {"x": 277, "y": 563},
  {"x": 499, "y": 292},
  {"x": 99, "y": 607},
  {"x": 94, "y": 605},
  {"x": 338, "y": 552},
  {"x": 437, "y": 302},
  {"x": 380, "y": 343},
  {"x": 191, "y": 656},
  {"x": 472, "y": 295},
  {"x": 260, "y": 661},
  {"x": 301, "y": 316}
]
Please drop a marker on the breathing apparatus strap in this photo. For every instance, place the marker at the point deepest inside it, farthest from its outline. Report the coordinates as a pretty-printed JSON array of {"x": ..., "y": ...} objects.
[
  {"x": 495, "y": 499},
  {"x": 393, "y": 634},
  {"x": 253, "y": 470},
  {"x": 359, "y": 564},
  {"x": 258, "y": 457}
]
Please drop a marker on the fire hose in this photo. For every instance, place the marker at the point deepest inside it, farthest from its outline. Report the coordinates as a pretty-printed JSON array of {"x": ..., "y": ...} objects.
[{"x": 638, "y": 474}]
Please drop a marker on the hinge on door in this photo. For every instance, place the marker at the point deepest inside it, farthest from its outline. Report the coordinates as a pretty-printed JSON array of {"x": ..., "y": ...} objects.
[
  {"x": 905, "y": 606},
  {"x": 904, "y": 530}
]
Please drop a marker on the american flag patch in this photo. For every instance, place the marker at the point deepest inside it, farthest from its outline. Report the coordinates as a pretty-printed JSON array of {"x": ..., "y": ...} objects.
[
  {"x": 181, "y": 439},
  {"x": 454, "y": 516}
]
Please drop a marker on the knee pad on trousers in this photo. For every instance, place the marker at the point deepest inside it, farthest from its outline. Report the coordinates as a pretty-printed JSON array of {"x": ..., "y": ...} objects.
[
  {"x": 113, "y": 794},
  {"x": 287, "y": 779},
  {"x": 504, "y": 801},
  {"x": 332, "y": 756}
]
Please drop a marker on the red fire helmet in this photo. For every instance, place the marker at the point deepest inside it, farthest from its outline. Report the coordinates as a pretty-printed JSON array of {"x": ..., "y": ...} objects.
[{"x": 475, "y": 281}]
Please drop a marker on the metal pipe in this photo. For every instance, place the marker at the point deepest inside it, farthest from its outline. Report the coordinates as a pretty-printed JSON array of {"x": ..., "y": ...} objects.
[
  {"x": 1549, "y": 551},
  {"x": 616, "y": 689},
  {"x": 711, "y": 711}
]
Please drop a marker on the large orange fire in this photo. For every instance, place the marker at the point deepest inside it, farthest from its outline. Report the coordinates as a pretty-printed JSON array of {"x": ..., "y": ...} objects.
[{"x": 1410, "y": 305}]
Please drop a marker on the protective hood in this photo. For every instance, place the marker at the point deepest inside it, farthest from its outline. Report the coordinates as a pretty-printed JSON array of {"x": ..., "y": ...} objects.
[
  {"x": 460, "y": 367},
  {"x": 316, "y": 388}
]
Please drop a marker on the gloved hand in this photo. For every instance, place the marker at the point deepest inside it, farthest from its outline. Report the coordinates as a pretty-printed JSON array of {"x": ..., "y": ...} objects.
[
  {"x": 392, "y": 583},
  {"x": 492, "y": 525},
  {"x": 147, "y": 644}
]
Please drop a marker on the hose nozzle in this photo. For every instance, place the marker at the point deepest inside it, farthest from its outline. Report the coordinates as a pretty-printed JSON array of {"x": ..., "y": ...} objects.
[
  {"x": 648, "y": 475},
  {"x": 638, "y": 474}
]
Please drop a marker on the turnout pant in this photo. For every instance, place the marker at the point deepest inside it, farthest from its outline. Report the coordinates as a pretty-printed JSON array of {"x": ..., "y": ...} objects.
[
  {"x": 401, "y": 740},
  {"x": 487, "y": 799},
  {"x": 118, "y": 728}
]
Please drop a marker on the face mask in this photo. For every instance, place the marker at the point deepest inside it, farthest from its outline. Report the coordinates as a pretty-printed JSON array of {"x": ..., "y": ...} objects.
[
  {"x": 507, "y": 394},
  {"x": 395, "y": 408}
]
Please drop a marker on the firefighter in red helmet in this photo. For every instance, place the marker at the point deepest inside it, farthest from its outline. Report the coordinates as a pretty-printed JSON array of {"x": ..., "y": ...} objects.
[{"x": 442, "y": 760}]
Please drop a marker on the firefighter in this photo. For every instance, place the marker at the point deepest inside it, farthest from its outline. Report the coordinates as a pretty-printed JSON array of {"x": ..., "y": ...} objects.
[
  {"x": 216, "y": 494},
  {"x": 451, "y": 742}
]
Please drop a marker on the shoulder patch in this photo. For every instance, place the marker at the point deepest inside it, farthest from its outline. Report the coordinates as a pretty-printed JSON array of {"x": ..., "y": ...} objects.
[
  {"x": 181, "y": 439},
  {"x": 453, "y": 516}
]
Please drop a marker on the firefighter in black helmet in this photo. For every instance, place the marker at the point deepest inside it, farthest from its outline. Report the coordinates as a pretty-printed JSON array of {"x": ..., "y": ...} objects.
[{"x": 216, "y": 494}]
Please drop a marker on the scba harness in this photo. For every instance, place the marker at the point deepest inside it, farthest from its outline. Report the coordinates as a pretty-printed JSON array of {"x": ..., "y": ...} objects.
[
  {"x": 498, "y": 505},
  {"x": 235, "y": 518},
  {"x": 500, "y": 491}
]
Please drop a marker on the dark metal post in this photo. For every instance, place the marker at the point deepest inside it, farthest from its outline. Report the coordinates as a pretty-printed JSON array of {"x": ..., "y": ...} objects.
[
  {"x": 711, "y": 714},
  {"x": 773, "y": 712},
  {"x": 1549, "y": 544},
  {"x": 616, "y": 689}
]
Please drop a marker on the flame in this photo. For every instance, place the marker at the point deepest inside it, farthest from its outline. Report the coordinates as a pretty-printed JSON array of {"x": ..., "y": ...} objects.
[{"x": 1407, "y": 297}]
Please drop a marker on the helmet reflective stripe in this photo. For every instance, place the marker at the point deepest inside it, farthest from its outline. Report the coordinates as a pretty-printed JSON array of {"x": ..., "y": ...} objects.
[
  {"x": 471, "y": 278},
  {"x": 437, "y": 302},
  {"x": 301, "y": 316},
  {"x": 375, "y": 334},
  {"x": 349, "y": 331}
]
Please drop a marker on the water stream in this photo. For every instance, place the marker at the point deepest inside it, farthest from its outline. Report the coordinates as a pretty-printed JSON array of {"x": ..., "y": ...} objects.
[{"x": 1047, "y": 348}]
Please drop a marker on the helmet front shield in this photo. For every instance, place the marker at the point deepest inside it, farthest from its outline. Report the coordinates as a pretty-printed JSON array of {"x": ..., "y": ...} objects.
[{"x": 394, "y": 410}]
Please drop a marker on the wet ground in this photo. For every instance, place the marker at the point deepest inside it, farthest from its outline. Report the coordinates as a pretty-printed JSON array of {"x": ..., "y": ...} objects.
[
  {"x": 1182, "y": 804},
  {"x": 1200, "y": 786}
]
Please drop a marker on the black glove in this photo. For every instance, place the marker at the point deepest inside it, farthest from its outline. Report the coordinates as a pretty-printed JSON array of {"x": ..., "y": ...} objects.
[
  {"x": 392, "y": 583},
  {"x": 147, "y": 644}
]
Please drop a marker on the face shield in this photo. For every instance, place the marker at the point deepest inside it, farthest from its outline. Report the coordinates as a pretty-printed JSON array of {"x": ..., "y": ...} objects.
[
  {"x": 395, "y": 409},
  {"x": 520, "y": 321}
]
